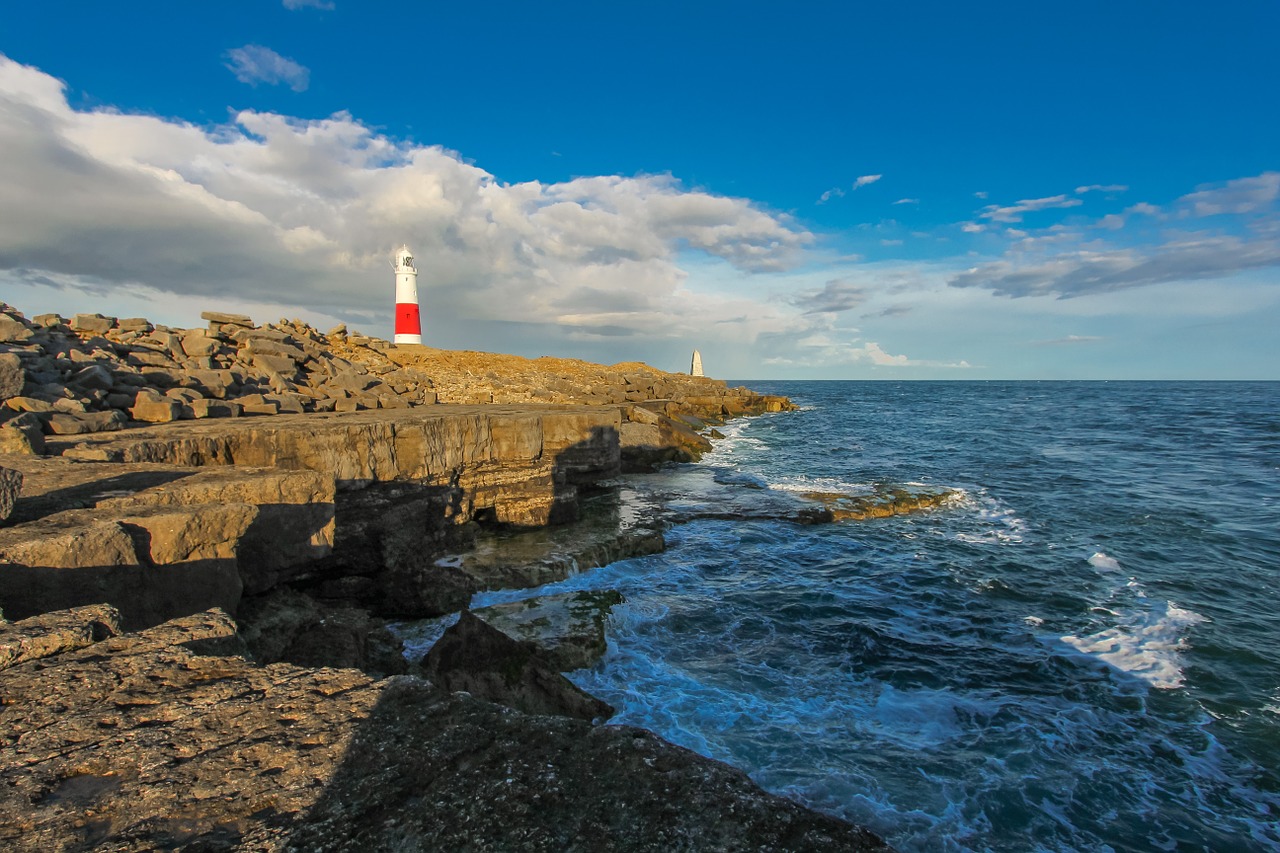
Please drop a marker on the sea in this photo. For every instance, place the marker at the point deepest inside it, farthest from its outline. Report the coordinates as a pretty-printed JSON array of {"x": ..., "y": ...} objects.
[{"x": 1079, "y": 650}]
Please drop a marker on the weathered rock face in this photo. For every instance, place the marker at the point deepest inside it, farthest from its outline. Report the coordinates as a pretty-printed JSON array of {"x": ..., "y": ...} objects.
[
  {"x": 137, "y": 743},
  {"x": 512, "y": 464},
  {"x": 10, "y": 486},
  {"x": 565, "y": 630},
  {"x": 474, "y": 658},
  {"x": 85, "y": 532}
]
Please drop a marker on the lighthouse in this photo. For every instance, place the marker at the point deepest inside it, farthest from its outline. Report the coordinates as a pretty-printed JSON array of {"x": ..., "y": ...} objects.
[
  {"x": 695, "y": 367},
  {"x": 408, "y": 323}
]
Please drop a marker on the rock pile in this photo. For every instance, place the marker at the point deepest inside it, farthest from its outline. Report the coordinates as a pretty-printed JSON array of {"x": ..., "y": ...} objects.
[{"x": 94, "y": 373}]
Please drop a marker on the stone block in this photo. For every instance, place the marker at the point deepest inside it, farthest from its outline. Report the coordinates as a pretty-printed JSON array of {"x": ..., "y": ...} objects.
[
  {"x": 28, "y": 404},
  {"x": 351, "y": 404},
  {"x": 94, "y": 324},
  {"x": 267, "y": 363},
  {"x": 217, "y": 319},
  {"x": 48, "y": 321},
  {"x": 134, "y": 324},
  {"x": 287, "y": 403},
  {"x": 265, "y": 408},
  {"x": 155, "y": 410},
  {"x": 198, "y": 344},
  {"x": 201, "y": 409},
  {"x": 62, "y": 423}
]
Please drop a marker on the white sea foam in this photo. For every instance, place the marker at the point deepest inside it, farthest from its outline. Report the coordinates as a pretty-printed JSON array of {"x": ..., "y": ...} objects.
[
  {"x": 1146, "y": 645},
  {"x": 1104, "y": 563},
  {"x": 1033, "y": 620}
]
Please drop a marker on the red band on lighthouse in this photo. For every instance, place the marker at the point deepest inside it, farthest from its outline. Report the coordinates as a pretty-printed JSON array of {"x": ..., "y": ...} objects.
[
  {"x": 408, "y": 328},
  {"x": 407, "y": 320}
]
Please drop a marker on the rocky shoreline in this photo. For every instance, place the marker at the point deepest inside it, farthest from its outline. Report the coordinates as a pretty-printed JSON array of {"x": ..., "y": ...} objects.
[{"x": 203, "y": 531}]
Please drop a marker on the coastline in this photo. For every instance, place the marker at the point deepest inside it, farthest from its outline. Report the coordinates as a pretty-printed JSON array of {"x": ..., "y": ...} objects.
[{"x": 313, "y": 528}]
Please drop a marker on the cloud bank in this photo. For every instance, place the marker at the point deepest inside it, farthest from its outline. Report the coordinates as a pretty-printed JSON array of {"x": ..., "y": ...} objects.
[{"x": 276, "y": 209}]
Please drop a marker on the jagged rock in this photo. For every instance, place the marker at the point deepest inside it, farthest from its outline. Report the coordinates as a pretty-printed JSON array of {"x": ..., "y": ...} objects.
[
  {"x": 10, "y": 487},
  {"x": 48, "y": 321},
  {"x": 565, "y": 630},
  {"x": 473, "y": 657},
  {"x": 287, "y": 626},
  {"x": 12, "y": 376},
  {"x": 60, "y": 631},
  {"x": 93, "y": 376}
]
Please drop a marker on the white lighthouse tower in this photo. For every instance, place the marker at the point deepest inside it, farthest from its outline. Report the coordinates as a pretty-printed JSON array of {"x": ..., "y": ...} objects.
[
  {"x": 408, "y": 322},
  {"x": 695, "y": 367}
]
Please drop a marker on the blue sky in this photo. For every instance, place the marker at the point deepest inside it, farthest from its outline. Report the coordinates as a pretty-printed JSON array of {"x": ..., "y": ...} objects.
[{"x": 813, "y": 190}]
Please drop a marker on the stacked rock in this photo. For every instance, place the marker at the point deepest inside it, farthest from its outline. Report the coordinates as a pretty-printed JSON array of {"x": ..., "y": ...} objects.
[{"x": 94, "y": 373}]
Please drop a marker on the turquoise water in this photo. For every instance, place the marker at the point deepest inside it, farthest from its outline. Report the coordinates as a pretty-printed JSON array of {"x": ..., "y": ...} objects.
[{"x": 1080, "y": 652}]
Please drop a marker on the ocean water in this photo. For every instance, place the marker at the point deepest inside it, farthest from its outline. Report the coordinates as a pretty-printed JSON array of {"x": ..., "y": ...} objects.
[{"x": 1080, "y": 651}]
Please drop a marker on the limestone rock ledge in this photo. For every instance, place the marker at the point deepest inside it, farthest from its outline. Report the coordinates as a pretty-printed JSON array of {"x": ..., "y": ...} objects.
[{"x": 136, "y": 742}]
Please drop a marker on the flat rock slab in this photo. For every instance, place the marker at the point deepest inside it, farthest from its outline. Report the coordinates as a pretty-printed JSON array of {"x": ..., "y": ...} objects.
[
  {"x": 138, "y": 743},
  {"x": 566, "y": 630},
  {"x": 616, "y": 525},
  {"x": 293, "y": 524}
]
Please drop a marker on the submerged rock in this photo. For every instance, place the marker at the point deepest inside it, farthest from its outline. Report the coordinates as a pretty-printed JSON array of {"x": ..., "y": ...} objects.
[
  {"x": 885, "y": 502},
  {"x": 566, "y": 630},
  {"x": 473, "y": 657}
]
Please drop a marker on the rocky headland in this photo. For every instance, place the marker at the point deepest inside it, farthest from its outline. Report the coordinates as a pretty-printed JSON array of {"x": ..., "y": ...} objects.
[{"x": 204, "y": 531}]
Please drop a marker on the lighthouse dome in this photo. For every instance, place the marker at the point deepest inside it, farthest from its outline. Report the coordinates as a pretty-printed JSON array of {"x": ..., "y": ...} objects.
[{"x": 403, "y": 258}]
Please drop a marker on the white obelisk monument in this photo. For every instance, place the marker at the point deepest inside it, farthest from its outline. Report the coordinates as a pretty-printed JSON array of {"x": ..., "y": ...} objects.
[
  {"x": 408, "y": 321},
  {"x": 695, "y": 368}
]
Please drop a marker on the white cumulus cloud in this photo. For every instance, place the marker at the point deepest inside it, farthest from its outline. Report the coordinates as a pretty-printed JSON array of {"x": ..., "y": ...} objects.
[{"x": 280, "y": 210}]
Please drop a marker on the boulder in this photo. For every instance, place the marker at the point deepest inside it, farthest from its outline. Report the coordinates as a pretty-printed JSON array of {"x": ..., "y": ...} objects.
[
  {"x": 13, "y": 331},
  {"x": 565, "y": 630},
  {"x": 10, "y": 486},
  {"x": 12, "y": 376},
  {"x": 23, "y": 435},
  {"x": 475, "y": 658},
  {"x": 95, "y": 376},
  {"x": 155, "y": 409},
  {"x": 92, "y": 324},
  {"x": 287, "y": 626},
  {"x": 199, "y": 344}
]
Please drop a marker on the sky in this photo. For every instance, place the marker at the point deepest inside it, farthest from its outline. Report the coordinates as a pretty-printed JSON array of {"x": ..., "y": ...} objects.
[{"x": 812, "y": 190}]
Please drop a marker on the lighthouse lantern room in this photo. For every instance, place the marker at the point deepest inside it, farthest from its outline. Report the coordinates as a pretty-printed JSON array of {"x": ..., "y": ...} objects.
[{"x": 408, "y": 323}]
